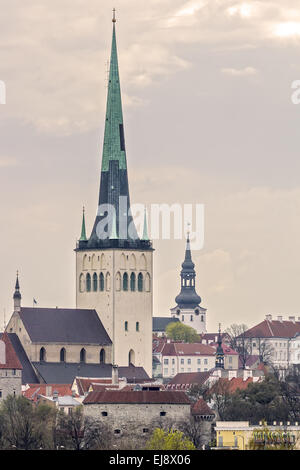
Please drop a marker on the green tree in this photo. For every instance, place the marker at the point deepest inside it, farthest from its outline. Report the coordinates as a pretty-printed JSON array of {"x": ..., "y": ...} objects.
[
  {"x": 179, "y": 332},
  {"x": 264, "y": 439},
  {"x": 169, "y": 440}
]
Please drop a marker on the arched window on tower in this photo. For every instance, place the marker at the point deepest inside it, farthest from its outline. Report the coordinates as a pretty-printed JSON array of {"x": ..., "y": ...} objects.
[
  {"x": 125, "y": 281},
  {"x": 42, "y": 355},
  {"x": 62, "y": 355},
  {"x": 101, "y": 282},
  {"x": 81, "y": 283},
  {"x": 147, "y": 283},
  {"x": 132, "y": 282},
  {"x": 82, "y": 355},
  {"x": 118, "y": 281},
  {"x": 140, "y": 282},
  {"x": 131, "y": 357},
  {"x": 88, "y": 282},
  {"x": 95, "y": 282},
  {"x": 102, "y": 356}
]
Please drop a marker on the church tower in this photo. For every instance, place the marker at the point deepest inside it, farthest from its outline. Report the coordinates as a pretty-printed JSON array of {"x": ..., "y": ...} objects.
[
  {"x": 114, "y": 266},
  {"x": 219, "y": 352},
  {"x": 187, "y": 307}
]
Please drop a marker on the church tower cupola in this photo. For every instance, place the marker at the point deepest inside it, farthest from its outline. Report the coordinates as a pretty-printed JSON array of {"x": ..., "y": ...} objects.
[
  {"x": 17, "y": 296},
  {"x": 188, "y": 308}
]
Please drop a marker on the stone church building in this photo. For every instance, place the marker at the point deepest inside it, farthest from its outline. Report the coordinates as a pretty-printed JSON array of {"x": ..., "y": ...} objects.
[{"x": 112, "y": 322}]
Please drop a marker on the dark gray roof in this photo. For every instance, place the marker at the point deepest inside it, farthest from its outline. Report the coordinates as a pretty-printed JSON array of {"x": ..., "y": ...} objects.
[
  {"x": 28, "y": 374},
  {"x": 61, "y": 325},
  {"x": 64, "y": 373},
  {"x": 160, "y": 323}
]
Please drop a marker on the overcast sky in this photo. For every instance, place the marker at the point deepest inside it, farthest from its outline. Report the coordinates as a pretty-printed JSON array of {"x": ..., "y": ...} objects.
[{"x": 208, "y": 118}]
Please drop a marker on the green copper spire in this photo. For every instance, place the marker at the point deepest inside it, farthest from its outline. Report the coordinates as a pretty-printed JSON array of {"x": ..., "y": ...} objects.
[
  {"x": 114, "y": 142},
  {"x": 145, "y": 230},
  {"x": 83, "y": 231}
]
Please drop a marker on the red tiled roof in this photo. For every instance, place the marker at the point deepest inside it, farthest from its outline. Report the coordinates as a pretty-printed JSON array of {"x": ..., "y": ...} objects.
[
  {"x": 201, "y": 408},
  {"x": 234, "y": 384},
  {"x": 138, "y": 397},
  {"x": 35, "y": 390},
  {"x": 190, "y": 378},
  {"x": 228, "y": 351},
  {"x": 11, "y": 358},
  {"x": 83, "y": 384},
  {"x": 188, "y": 349},
  {"x": 274, "y": 329}
]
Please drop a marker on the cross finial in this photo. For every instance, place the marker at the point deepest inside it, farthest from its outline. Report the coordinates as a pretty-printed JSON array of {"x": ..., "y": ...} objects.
[
  {"x": 114, "y": 16},
  {"x": 188, "y": 229}
]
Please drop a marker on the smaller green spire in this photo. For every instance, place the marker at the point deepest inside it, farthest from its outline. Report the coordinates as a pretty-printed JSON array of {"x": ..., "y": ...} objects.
[
  {"x": 145, "y": 230},
  {"x": 83, "y": 237},
  {"x": 113, "y": 235}
]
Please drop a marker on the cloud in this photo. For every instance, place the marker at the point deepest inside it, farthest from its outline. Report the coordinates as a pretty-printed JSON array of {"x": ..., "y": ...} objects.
[{"x": 239, "y": 72}]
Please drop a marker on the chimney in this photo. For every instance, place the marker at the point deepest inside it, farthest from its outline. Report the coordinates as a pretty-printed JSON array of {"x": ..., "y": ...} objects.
[
  {"x": 279, "y": 318},
  {"x": 269, "y": 317},
  {"x": 292, "y": 319},
  {"x": 48, "y": 391},
  {"x": 55, "y": 395},
  {"x": 115, "y": 375}
]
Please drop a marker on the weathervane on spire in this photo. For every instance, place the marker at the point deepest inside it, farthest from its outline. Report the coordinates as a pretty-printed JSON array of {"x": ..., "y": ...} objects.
[{"x": 114, "y": 16}]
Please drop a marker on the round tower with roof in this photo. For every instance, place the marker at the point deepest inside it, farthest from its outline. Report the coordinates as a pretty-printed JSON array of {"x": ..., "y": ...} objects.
[{"x": 188, "y": 308}]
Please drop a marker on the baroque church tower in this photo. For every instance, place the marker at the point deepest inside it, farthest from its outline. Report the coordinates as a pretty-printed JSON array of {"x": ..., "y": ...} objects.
[
  {"x": 114, "y": 265},
  {"x": 188, "y": 308}
]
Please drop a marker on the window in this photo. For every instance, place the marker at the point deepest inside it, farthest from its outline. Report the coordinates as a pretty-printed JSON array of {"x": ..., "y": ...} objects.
[
  {"x": 102, "y": 356},
  {"x": 199, "y": 369},
  {"x": 132, "y": 282},
  {"x": 145, "y": 430},
  {"x": 125, "y": 281},
  {"x": 173, "y": 361},
  {"x": 230, "y": 359},
  {"x": 182, "y": 318},
  {"x": 137, "y": 326},
  {"x": 82, "y": 355},
  {"x": 117, "y": 431},
  {"x": 42, "y": 354},
  {"x": 126, "y": 326},
  {"x": 101, "y": 282},
  {"x": 163, "y": 413},
  {"x": 0, "y": 393},
  {"x": 191, "y": 317},
  {"x": 62, "y": 355},
  {"x": 205, "y": 361},
  {"x": 202, "y": 318},
  {"x": 198, "y": 361},
  {"x": 181, "y": 361},
  {"x": 104, "y": 413},
  {"x": 95, "y": 282},
  {"x": 88, "y": 282},
  {"x": 189, "y": 361},
  {"x": 14, "y": 372},
  {"x": 140, "y": 282},
  {"x": 166, "y": 361}
]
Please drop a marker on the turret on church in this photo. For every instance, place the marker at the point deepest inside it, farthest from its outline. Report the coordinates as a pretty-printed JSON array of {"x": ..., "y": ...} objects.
[
  {"x": 114, "y": 265},
  {"x": 188, "y": 308}
]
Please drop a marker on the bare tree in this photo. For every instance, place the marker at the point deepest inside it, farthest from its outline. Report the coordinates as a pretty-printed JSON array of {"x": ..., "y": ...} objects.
[
  {"x": 240, "y": 342},
  {"x": 265, "y": 351},
  {"x": 220, "y": 397},
  {"x": 79, "y": 432}
]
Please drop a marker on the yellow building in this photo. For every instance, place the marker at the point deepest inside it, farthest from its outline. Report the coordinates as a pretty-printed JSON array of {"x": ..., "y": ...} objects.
[{"x": 237, "y": 435}]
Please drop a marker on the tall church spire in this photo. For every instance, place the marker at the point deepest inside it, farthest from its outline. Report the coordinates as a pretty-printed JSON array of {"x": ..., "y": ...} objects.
[
  {"x": 17, "y": 295},
  {"x": 114, "y": 200}
]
